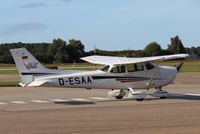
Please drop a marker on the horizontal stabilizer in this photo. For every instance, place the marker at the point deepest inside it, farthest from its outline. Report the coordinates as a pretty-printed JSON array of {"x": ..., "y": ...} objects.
[
  {"x": 37, "y": 83},
  {"x": 22, "y": 85}
]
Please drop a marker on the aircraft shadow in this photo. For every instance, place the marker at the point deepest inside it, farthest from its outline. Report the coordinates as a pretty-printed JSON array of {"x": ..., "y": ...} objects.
[
  {"x": 183, "y": 96},
  {"x": 72, "y": 102},
  {"x": 75, "y": 102}
]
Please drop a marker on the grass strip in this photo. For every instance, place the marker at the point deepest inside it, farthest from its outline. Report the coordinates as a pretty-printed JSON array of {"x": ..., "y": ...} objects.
[{"x": 9, "y": 84}]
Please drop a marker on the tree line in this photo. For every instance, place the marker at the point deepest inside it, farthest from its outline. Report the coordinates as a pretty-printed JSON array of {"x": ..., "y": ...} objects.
[
  {"x": 154, "y": 49},
  {"x": 60, "y": 51}
]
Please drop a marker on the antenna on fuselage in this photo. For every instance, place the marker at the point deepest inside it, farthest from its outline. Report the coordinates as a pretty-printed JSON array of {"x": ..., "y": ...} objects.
[{"x": 94, "y": 53}]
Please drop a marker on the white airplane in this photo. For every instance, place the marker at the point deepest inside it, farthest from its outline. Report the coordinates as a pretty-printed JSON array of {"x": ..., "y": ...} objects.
[{"x": 124, "y": 76}]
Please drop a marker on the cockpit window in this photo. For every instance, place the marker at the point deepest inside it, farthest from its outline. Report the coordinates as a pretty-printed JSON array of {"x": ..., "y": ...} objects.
[
  {"x": 149, "y": 66},
  {"x": 140, "y": 67},
  {"x": 135, "y": 67},
  {"x": 118, "y": 69},
  {"x": 105, "y": 68}
]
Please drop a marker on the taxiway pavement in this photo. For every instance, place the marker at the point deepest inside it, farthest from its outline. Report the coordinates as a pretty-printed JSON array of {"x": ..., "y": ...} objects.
[
  {"x": 41, "y": 98},
  {"x": 61, "y": 110}
]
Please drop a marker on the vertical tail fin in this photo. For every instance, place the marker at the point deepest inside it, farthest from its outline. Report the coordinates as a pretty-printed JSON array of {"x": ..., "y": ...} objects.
[{"x": 27, "y": 65}]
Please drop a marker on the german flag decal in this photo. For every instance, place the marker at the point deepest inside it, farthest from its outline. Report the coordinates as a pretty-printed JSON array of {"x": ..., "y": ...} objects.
[{"x": 24, "y": 57}]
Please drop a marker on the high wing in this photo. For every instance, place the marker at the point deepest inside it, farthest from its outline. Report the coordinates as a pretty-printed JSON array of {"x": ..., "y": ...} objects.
[{"x": 111, "y": 60}]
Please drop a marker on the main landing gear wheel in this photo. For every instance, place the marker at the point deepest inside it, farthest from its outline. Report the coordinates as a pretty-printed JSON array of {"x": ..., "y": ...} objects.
[
  {"x": 122, "y": 93},
  {"x": 137, "y": 95},
  {"x": 163, "y": 97},
  {"x": 140, "y": 99},
  {"x": 118, "y": 94},
  {"x": 119, "y": 97}
]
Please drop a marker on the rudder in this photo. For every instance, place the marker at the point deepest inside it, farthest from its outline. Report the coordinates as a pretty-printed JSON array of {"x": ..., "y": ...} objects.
[{"x": 27, "y": 65}]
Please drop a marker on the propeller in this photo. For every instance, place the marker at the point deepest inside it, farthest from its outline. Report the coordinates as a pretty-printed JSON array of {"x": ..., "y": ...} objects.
[{"x": 179, "y": 67}]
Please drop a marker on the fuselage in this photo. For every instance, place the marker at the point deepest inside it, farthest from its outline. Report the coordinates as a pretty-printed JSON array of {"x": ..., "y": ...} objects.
[{"x": 108, "y": 78}]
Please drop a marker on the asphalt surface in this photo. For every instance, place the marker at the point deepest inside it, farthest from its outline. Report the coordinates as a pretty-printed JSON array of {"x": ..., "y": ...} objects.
[{"x": 61, "y": 110}]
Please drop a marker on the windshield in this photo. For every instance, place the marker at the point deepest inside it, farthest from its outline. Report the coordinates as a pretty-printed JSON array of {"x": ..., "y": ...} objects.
[
  {"x": 105, "y": 68},
  {"x": 149, "y": 66}
]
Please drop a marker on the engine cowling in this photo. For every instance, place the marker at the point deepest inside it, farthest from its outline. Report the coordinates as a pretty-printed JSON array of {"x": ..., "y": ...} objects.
[{"x": 137, "y": 95}]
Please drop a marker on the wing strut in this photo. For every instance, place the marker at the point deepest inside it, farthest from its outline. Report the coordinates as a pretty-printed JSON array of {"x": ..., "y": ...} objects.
[{"x": 151, "y": 79}]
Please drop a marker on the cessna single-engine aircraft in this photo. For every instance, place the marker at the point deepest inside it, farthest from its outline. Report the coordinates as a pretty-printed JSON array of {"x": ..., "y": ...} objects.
[{"x": 124, "y": 76}]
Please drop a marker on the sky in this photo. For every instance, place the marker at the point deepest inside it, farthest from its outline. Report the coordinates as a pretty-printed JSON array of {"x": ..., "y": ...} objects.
[{"x": 106, "y": 24}]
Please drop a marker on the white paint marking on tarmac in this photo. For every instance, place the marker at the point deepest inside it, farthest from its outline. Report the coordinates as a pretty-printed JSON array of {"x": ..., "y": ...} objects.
[
  {"x": 59, "y": 100},
  {"x": 79, "y": 99},
  {"x": 39, "y": 101},
  {"x": 18, "y": 102},
  {"x": 2, "y": 103},
  {"x": 98, "y": 98}
]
